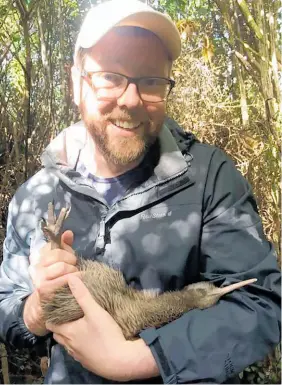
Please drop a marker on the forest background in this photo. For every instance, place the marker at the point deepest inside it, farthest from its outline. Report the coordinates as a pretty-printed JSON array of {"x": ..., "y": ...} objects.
[{"x": 228, "y": 92}]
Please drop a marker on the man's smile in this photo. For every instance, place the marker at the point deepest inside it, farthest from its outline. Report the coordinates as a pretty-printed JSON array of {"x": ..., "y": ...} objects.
[{"x": 126, "y": 124}]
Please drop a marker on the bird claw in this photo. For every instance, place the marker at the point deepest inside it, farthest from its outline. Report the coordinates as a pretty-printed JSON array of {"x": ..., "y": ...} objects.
[{"x": 53, "y": 226}]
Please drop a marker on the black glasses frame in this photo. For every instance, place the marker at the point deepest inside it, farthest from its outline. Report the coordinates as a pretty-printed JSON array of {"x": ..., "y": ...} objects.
[{"x": 133, "y": 80}]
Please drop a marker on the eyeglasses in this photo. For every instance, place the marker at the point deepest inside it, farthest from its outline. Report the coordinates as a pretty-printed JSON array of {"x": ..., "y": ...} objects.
[{"x": 111, "y": 85}]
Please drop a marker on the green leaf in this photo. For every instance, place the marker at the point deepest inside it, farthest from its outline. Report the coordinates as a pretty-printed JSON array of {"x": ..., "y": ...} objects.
[
  {"x": 251, "y": 377},
  {"x": 262, "y": 375}
]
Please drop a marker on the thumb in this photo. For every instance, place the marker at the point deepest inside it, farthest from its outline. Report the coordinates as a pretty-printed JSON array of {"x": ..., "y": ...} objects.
[
  {"x": 67, "y": 241},
  {"x": 82, "y": 294}
]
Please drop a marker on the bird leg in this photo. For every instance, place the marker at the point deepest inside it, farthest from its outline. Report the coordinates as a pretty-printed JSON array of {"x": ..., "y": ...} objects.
[{"x": 53, "y": 226}]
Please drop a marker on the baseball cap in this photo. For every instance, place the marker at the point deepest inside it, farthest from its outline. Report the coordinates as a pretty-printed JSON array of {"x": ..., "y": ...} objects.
[{"x": 107, "y": 15}]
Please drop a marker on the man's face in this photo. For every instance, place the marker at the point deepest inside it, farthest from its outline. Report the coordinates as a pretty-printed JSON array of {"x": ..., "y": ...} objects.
[{"x": 123, "y": 128}]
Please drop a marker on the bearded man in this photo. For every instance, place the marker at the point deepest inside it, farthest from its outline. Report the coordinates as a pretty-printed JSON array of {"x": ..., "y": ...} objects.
[{"x": 148, "y": 199}]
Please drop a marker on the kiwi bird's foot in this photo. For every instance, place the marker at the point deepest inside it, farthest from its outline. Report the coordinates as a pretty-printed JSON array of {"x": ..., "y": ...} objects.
[{"x": 52, "y": 227}]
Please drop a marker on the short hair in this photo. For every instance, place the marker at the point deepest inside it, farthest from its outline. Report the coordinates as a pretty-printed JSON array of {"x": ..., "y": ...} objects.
[{"x": 121, "y": 31}]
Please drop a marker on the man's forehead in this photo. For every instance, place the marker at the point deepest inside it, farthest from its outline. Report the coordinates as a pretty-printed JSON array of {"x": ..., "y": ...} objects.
[
  {"x": 122, "y": 40},
  {"x": 125, "y": 35}
]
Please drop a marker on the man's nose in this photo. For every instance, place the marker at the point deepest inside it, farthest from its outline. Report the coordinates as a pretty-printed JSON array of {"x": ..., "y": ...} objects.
[{"x": 130, "y": 98}]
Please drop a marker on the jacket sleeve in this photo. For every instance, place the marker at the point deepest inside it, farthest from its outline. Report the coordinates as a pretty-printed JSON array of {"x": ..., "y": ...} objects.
[
  {"x": 215, "y": 344},
  {"x": 15, "y": 283}
]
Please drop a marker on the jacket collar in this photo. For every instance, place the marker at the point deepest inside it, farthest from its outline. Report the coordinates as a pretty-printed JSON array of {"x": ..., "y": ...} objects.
[{"x": 74, "y": 146}]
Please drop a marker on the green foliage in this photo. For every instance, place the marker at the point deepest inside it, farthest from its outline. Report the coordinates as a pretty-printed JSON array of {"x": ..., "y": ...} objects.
[
  {"x": 175, "y": 8},
  {"x": 264, "y": 372}
]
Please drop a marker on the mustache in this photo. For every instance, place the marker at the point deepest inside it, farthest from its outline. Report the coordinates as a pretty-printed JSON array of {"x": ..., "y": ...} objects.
[
  {"x": 125, "y": 115},
  {"x": 117, "y": 114}
]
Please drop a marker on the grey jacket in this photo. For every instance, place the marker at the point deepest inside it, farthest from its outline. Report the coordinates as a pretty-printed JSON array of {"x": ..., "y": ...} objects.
[{"x": 191, "y": 217}]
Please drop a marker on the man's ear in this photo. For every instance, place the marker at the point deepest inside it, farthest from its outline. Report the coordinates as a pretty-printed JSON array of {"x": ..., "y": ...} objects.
[{"x": 76, "y": 83}]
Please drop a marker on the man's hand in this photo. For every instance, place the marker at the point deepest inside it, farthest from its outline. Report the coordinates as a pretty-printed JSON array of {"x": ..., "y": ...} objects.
[
  {"x": 50, "y": 273},
  {"x": 97, "y": 342}
]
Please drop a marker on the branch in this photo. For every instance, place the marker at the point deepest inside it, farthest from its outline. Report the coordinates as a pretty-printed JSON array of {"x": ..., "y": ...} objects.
[
  {"x": 248, "y": 66},
  {"x": 222, "y": 8},
  {"x": 244, "y": 61},
  {"x": 248, "y": 48},
  {"x": 19, "y": 60},
  {"x": 6, "y": 51},
  {"x": 32, "y": 7},
  {"x": 226, "y": 16},
  {"x": 3, "y": 19},
  {"x": 21, "y": 7},
  {"x": 42, "y": 42},
  {"x": 14, "y": 53},
  {"x": 4, "y": 364},
  {"x": 249, "y": 18}
]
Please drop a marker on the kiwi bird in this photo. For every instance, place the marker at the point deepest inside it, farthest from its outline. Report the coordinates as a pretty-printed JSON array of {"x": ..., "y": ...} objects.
[{"x": 133, "y": 310}]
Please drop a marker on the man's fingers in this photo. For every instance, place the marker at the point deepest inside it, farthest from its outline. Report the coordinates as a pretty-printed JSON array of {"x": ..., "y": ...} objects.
[
  {"x": 57, "y": 255},
  {"x": 57, "y": 337},
  {"x": 67, "y": 241},
  {"x": 82, "y": 295},
  {"x": 45, "y": 249},
  {"x": 42, "y": 274},
  {"x": 49, "y": 287},
  {"x": 59, "y": 269},
  {"x": 62, "y": 332}
]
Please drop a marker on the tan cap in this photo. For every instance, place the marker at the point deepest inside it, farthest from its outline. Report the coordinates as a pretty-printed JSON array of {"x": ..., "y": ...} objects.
[{"x": 103, "y": 17}]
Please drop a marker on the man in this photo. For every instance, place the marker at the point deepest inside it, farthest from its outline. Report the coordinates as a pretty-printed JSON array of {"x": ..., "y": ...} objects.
[{"x": 145, "y": 198}]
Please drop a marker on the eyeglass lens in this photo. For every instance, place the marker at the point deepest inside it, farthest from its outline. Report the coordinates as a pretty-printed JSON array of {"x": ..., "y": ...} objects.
[{"x": 110, "y": 86}]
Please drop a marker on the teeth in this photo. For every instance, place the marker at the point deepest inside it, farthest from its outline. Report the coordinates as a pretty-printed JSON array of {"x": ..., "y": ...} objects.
[{"x": 124, "y": 124}]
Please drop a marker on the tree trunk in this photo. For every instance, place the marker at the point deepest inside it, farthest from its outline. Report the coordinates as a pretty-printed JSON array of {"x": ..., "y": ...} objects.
[
  {"x": 24, "y": 21},
  {"x": 265, "y": 70},
  {"x": 233, "y": 28},
  {"x": 239, "y": 72}
]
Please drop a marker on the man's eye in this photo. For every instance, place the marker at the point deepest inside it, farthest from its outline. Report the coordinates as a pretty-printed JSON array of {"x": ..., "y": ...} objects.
[
  {"x": 112, "y": 79},
  {"x": 106, "y": 80},
  {"x": 151, "y": 82},
  {"x": 109, "y": 77}
]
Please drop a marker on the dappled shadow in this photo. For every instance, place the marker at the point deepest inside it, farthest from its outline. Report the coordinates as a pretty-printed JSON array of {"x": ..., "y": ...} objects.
[{"x": 154, "y": 238}]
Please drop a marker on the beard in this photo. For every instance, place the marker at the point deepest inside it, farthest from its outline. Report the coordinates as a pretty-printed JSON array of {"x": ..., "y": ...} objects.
[{"x": 117, "y": 149}]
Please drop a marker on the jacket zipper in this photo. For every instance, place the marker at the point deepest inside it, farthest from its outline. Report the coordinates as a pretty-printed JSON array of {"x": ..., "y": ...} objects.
[
  {"x": 143, "y": 191},
  {"x": 100, "y": 243}
]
